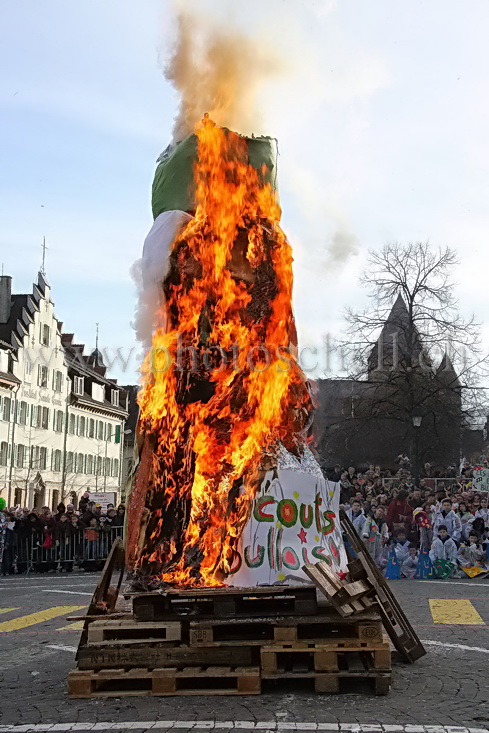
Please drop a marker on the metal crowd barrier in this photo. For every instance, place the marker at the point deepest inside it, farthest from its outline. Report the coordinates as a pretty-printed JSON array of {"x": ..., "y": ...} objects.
[
  {"x": 431, "y": 483},
  {"x": 86, "y": 548}
]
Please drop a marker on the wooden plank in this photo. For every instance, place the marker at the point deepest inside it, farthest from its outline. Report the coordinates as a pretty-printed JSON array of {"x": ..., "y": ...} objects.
[
  {"x": 107, "y": 630},
  {"x": 329, "y": 591},
  {"x": 105, "y": 595}
]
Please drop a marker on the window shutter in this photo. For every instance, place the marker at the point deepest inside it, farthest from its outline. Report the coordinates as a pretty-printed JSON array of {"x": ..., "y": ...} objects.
[{"x": 117, "y": 433}]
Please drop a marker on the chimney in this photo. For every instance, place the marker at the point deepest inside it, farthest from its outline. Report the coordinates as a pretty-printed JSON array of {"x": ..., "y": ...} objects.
[{"x": 5, "y": 297}]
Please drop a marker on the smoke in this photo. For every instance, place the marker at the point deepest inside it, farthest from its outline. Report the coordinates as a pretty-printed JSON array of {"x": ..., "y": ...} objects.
[
  {"x": 342, "y": 245},
  {"x": 219, "y": 69}
]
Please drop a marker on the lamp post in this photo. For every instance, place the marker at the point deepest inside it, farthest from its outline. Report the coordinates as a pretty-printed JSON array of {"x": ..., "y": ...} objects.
[{"x": 417, "y": 418}]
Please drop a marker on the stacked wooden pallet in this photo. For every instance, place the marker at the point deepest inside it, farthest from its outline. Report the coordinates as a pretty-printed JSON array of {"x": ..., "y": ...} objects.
[{"x": 228, "y": 641}]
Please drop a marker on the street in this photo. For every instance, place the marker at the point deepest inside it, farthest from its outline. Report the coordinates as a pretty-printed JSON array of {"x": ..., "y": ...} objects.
[{"x": 449, "y": 687}]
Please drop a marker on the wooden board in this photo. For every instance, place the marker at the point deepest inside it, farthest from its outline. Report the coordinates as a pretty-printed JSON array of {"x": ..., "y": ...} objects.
[
  {"x": 225, "y": 602},
  {"x": 169, "y": 681},
  {"x": 227, "y": 632},
  {"x": 151, "y": 656},
  {"x": 108, "y": 630},
  {"x": 397, "y": 625},
  {"x": 327, "y": 657},
  {"x": 347, "y": 598},
  {"x": 108, "y": 587}
]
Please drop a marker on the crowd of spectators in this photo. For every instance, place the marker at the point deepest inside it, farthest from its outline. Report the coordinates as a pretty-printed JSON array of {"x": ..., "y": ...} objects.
[
  {"x": 42, "y": 540},
  {"x": 432, "y": 525}
]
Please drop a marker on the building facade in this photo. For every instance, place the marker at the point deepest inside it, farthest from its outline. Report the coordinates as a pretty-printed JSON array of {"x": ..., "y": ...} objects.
[{"x": 61, "y": 419}]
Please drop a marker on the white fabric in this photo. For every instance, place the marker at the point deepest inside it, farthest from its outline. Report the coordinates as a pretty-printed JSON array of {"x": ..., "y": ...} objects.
[
  {"x": 270, "y": 551},
  {"x": 157, "y": 245}
]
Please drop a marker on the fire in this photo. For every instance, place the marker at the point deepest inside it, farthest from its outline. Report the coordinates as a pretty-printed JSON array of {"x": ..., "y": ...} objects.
[{"x": 221, "y": 386}]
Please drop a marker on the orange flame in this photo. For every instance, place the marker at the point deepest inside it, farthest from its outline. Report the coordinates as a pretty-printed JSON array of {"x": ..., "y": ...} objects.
[{"x": 230, "y": 295}]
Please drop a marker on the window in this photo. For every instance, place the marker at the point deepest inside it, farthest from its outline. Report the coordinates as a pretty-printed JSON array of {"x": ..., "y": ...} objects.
[
  {"x": 21, "y": 456},
  {"x": 107, "y": 467},
  {"x": 6, "y": 409},
  {"x": 90, "y": 464},
  {"x": 57, "y": 380},
  {"x": 91, "y": 428},
  {"x": 115, "y": 467},
  {"x": 36, "y": 416},
  {"x": 98, "y": 392},
  {"x": 79, "y": 463},
  {"x": 109, "y": 432},
  {"x": 22, "y": 413},
  {"x": 100, "y": 430},
  {"x": 58, "y": 421},
  {"x": 44, "y": 334},
  {"x": 43, "y": 458},
  {"x": 44, "y": 412},
  {"x": 27, "y": 369},
  {"x": 69, "y": 461},
  {"x": 42, "y": 375},
  {"x": 36, "y": 456},
  {"x": 114, "y": 397},
  {"x": 71, "y": 424},
  {"x": 3, "y": 453},
  {"x": 56, "y": 460},
  {"x": 100, "y": 465},
  {"x": 79, "y": 385},
  {"x": 81, "y": 427}
]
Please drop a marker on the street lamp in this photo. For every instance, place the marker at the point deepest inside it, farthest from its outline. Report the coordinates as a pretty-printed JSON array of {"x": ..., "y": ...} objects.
[{"x": 417, "y": 418}]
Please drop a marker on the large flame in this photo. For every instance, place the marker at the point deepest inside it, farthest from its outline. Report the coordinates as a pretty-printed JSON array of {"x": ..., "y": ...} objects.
[{"x": 211, "y": 423}]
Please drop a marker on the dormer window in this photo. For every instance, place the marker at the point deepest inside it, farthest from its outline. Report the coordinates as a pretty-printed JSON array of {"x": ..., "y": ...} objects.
[
  {"x": 114, "y": 397},
  {"x": 98, "y": 392},
  {"x": 79, "y": 386}
]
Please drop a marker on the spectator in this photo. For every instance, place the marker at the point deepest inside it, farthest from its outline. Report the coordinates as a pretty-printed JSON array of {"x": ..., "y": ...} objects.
[
  {"x": 410, "y": 564},
  {"x": 60, "y": 509},
  {"x": 472, "y": 555},
  {"x": 356, "y": 515},
  {"x": 376, "y": 535},
  {"x": 416, "y": 499},
  {"x": 63, "y": 534},
  {"x": 118, "y": 521},
  {"x": 443, "y": 553},
  {"x": 88, "y": 514},
  {"x": 400, "y": 514},
  {"x": 82, "y": 506},
  {"x": 446, "y": 517}
]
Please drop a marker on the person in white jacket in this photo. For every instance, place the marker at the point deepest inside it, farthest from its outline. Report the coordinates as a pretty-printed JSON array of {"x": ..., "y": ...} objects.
[
  {"x": 443, "y": 553},
  {"x": 449, "y": 519},
  {"x": 472, "y": 554},
  {"x": 356, "y": 515}
]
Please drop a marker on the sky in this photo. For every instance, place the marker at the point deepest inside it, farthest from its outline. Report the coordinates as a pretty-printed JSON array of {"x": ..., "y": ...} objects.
[{"x": 381, "y": 111}]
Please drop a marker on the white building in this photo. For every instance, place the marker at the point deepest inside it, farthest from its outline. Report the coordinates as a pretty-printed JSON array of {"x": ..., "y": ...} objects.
[{"x": 61, "y": 420}]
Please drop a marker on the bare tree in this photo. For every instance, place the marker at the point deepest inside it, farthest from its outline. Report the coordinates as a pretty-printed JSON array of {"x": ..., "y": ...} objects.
[{"x": 412, "y": 351}]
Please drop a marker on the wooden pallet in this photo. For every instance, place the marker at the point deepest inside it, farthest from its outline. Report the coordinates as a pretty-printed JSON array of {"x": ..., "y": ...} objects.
[
  {"x": 225, "y": 602},
  {"x": 129, "y": 631},
  {"x": 165, "y": 681},
  {"x": 147, "y": 654},
  {"x": 227, "y": 632},
  {"x": 396, "y": 623},
  {"x": 332, "y": 657},
  {"x": 347, "y": 598}
]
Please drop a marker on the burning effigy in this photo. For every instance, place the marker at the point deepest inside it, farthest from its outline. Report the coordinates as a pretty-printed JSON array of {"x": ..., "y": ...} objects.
[{"x": 227, "y": 488}]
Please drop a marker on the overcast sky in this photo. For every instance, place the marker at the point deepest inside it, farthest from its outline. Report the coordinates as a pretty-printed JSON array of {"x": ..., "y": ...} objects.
[{"x": 382, "y": 117}]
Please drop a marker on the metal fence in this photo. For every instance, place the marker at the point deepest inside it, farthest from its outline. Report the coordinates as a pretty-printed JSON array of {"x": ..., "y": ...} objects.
[
  {"x": 430, "y": 483},
  {"x": 85, "y": 549}
]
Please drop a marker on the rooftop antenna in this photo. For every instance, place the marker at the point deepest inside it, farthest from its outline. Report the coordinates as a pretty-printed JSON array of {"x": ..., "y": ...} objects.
[{"x": 43, "y": 265}]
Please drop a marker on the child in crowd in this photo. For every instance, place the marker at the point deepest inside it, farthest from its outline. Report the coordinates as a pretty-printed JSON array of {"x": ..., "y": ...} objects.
[
  {"x": 401, "y": 546},
  {"x": 443, "y": 553},
  {"x": 410, "y": 564},
  {"x": 356, "y": 515},
  {"x": 376, "y": 535},
  {"x": 447, "y": 518},
  {"x": 471, "y": 556}
]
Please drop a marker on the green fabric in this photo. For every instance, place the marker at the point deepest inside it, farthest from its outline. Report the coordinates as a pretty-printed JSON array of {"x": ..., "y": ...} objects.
[
  {"x": 173, "y": 185},
  {"x": 443, "y": 568}
]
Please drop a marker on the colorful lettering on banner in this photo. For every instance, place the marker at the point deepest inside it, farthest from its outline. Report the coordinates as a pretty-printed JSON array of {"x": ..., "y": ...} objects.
[{"x": 294, "y": 521}]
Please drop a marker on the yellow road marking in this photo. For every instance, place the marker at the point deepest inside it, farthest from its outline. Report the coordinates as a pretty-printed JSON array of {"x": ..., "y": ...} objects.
[
  {"x": 76, "y": 626},
  {"x": 446, "y": 611},
  {"x": 7, "y": 610},
  {"x": 36, "y": 618}
]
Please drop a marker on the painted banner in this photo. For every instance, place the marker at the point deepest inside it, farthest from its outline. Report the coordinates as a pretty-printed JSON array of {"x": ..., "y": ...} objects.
[
  {"x": 480, "y": 481},
  {"x": 295, "y": 521}
]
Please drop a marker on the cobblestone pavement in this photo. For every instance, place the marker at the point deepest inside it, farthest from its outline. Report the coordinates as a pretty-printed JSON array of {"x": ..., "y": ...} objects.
[{"x": 448, "y": 687}]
